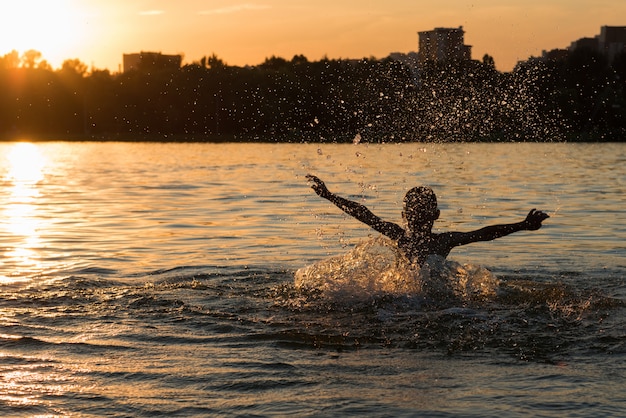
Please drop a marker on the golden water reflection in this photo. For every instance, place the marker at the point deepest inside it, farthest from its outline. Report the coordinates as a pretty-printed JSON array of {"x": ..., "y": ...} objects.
[{"x": 20, "y": 223}]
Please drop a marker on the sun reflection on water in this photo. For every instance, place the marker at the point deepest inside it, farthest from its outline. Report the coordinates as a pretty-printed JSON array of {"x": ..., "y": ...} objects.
[
  {"x": 20, "y": 225},
  {"x": 26, "y": 163}
]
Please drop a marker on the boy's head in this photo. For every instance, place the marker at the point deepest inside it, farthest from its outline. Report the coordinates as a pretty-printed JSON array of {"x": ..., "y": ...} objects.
[{"x": 420, "y": 206}]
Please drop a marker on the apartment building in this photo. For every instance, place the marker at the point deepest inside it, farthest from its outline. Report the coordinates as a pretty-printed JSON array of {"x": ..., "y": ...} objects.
[
  {"x": 147, "y": 61},
  {"x": 443, "y": 45},
  {"x": 610, "y": 42}
]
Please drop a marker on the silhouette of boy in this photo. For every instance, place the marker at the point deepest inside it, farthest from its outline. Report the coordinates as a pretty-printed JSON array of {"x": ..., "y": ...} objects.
[{"x": 418, "y": 241}]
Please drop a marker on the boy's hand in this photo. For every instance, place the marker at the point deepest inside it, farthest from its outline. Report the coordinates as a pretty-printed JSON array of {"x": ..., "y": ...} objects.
[
  {"x": 319, "y": 186},
  {"x": 534, "y": 219}
]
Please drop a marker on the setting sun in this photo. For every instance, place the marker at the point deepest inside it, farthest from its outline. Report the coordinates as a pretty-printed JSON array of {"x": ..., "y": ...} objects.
[
  {"x": 50, "y": 27},
  {"x": 99, "y": 32}
]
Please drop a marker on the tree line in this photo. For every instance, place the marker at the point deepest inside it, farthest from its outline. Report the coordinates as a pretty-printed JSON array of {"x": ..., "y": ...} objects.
[{"x": 580, "y": 96}]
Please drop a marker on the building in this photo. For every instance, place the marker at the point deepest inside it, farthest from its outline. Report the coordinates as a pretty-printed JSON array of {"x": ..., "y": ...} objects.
[
  {"x": 148, "y": 61},
  {"x": 443, "y": 45},
  {"x": 585, "y": 43},
  {"x": 610, "y": 42},
  {"x": 555, "y": 55}
]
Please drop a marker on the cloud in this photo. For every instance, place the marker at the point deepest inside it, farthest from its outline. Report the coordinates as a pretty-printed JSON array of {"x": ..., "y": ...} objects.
[
  {"x": 151, "y": 12},
  {"x": 234, "y": 9}
]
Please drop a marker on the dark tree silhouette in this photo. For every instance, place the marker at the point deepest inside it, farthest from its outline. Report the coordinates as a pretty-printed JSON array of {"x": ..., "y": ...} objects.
[{"x": 577, "y": 96}]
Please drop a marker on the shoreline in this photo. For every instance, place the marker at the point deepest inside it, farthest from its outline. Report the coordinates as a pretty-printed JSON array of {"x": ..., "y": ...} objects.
[{"x": 584, "y": 137}]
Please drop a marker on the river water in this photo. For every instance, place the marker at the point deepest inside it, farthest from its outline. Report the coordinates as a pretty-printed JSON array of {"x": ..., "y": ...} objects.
[{"x": 150, "y": 279}]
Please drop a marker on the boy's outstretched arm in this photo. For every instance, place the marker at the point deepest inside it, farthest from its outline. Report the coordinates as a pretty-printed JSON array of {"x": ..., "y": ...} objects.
[
  {"x": 531, "y": 223},
  {"x": 356, "y": 210}
]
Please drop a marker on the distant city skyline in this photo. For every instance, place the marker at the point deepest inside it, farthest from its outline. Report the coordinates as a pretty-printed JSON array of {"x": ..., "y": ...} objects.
[{"x": 99, "y": 32}]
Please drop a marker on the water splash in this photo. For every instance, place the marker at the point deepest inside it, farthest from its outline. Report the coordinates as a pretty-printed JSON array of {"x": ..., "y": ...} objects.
[
  {"x": 377, "y": 268},
  {"x": 373, "y": 296}
]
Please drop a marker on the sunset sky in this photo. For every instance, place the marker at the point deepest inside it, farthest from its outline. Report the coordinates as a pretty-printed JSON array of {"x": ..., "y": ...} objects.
[{"x": 244, "y": 32}]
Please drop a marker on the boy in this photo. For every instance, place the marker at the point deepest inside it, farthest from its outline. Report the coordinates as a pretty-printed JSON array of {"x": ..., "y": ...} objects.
[{"x": 418, "y": 241}]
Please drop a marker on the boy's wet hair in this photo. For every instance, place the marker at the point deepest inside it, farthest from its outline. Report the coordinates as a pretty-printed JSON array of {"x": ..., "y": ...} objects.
[{"x": 423, "y": 200}]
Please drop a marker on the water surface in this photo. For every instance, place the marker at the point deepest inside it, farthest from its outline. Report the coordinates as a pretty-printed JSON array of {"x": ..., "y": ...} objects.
[{"x": 158, "y": 279}]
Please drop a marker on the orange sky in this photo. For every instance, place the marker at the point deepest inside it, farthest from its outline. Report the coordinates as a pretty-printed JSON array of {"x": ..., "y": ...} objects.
[{"x": 244, "y": 32}]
